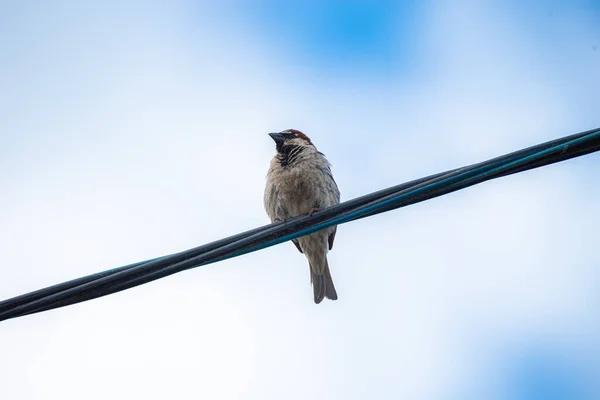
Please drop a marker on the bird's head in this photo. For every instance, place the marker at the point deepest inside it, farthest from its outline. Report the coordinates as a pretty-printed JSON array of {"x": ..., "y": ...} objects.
[{"x": 289, "y": 139}]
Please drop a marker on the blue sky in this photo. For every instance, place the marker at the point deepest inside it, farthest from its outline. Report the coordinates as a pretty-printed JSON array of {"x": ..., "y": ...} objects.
[
  {"x": 136, "y": 129},
  {"x": 374, "y": 38}
]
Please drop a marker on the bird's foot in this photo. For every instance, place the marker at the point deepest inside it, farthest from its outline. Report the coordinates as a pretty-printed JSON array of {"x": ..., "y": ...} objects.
[
  {"x": 280, "y": 220},
  {"x": 312, "y": 211}
]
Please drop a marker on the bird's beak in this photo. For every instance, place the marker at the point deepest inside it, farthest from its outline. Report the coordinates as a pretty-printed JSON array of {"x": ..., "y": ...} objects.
[{"x": 277, "y": 137}]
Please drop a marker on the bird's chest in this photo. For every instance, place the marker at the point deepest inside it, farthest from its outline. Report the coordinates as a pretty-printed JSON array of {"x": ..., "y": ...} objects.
[{"x": 298, "y": 190}]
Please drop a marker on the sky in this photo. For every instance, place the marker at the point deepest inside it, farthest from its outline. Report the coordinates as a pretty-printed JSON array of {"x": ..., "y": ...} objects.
[{"x": 131, "y": 130}]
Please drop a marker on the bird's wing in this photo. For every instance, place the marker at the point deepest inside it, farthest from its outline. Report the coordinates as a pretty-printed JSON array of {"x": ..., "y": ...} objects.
[
  {"x": 295, "y": 241},
  {"x": 327, "y": 171},
  {"x": 332, "y": 237}
]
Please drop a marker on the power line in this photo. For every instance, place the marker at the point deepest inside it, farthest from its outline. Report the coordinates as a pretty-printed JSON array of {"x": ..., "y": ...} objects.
[{"x": 115, "y": 280}]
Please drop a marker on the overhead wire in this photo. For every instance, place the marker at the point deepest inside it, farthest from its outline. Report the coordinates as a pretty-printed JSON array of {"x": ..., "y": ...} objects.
[{"x": 118, "y": 279}]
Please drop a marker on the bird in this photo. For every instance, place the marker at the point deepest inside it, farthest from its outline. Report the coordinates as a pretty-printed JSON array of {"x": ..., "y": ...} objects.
[{"x": 299, "y": 182}]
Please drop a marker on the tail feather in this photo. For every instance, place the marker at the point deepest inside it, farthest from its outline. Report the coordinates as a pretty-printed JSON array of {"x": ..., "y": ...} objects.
[{"x": 322, "y": 284}]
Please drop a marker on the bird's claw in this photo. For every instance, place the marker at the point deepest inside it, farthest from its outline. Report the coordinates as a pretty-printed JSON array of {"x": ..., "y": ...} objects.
[{"x": 312, "y": 211}]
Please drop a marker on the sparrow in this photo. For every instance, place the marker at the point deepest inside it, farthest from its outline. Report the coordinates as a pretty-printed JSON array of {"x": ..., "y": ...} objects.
[{"x": 299, "y": 182}]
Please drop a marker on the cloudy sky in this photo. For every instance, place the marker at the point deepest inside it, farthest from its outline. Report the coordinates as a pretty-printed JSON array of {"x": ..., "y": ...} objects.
[{"x": 130, "y": 130}]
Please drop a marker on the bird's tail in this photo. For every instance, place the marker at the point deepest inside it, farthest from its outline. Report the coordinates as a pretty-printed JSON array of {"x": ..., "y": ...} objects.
[{"x": 322, "y": 284}]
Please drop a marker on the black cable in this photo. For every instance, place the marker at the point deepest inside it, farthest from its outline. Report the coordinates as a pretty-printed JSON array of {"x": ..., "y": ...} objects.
[
  {"x": 118, "y": 279},
  {"x": 367, "y": 196}
]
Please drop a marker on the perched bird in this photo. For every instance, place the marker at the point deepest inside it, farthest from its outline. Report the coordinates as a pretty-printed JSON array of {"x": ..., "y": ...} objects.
[{"x": 299, "y": 182}]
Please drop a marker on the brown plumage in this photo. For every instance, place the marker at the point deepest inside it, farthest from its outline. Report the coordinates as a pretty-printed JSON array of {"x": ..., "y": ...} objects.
[{"x": 300, "y": 182}]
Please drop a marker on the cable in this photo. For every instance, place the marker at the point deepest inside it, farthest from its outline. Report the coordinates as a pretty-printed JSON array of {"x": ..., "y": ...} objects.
[
  {"x": 560, "y": 142},
  {"x": 122, "y": 278}
]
